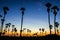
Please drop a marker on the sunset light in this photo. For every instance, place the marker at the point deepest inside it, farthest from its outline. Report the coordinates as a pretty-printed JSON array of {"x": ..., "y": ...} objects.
[{"x": 30, "y": 19}]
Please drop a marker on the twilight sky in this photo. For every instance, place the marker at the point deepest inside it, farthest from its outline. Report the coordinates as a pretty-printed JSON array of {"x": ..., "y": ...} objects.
[{"x": 35, "y": 16}]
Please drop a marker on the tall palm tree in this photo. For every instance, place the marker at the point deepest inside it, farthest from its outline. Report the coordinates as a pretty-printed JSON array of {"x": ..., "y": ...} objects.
[
  {"x": 5, "y": 9},
  {"x": 22, "y": 9},
  {"x": 48, "y": 5},
  {"x": 55, "y": 9},
  {"x": 56, "y": 25}
]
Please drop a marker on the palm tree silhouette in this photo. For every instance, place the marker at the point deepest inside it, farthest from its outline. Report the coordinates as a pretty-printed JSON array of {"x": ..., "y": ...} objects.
[
  {"x": 55, "y": 9},
  {"x": 28, "y": 31},
  {"x": 13, "y": 26},
  {"x": 50, "y": 27},
  {"x": 43, "y": 30},
  {"x": 4, "y": 31},
  {"x": 56, "y": 25},
  {"x": 40, "y": 30},
  {"x": 57, "y": 31},
  {"x": 24, "y": 29},
  {"x": 48, "y": 5},
  {"x": 5, "y": 9},
  {"x": 35, "y": 34},
  {"x": 15, "y": 31},
  {"x": 7, "y": 25},
  {"x": 22, "y": 9}
]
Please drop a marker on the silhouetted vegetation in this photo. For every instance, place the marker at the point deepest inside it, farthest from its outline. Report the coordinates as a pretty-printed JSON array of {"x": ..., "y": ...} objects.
[
  {"x": 55, "y": 9},
  {"x": 35, "y": 36}
]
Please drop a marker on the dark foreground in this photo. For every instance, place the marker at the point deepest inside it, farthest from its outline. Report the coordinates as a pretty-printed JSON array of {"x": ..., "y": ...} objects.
[{"x": 48, "y": 37}]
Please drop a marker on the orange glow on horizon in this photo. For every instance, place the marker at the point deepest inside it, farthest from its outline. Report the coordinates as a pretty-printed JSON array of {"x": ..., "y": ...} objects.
[{"x": 29, "y": 34}]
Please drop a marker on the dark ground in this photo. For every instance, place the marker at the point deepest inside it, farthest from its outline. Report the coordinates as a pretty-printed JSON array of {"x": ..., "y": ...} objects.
[{"x": 48, "y": 37}]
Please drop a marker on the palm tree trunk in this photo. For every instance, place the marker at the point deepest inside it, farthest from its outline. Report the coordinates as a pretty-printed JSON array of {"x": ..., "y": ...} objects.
[
  {"x": 54, "y": 23},
  {"x": 21, "y": 25},
  {"x": 2, "y": 23},
  {"x": 49, "y": 21}
]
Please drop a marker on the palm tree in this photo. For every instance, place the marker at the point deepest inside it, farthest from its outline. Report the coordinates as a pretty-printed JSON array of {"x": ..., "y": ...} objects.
[
  {"x": 15, "y": 30},
  {"x": 13, "y": 26},
  {"x": 55, "y": 9},
  {"x": 43, "y": 30},
  {"x": 35, "y": 34},
  {"x": 56, "y": 25},
  {"x": 28, "y": 31},
  {"x": 5, "y": 9},
  {"x": 24, "y": 29},
  {"x": 7, "y": 25},
  {"x": 48, "y": 5},
  {"x": 5, "y": 30},
  {"x": 40, "y": 30},
  {"x": 22, "y": 9},
  {"x": 57, "y": 31}
]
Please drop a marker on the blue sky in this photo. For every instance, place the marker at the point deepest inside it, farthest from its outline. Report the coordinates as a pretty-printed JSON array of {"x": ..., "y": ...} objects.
[{"x": 35, "y": 16}]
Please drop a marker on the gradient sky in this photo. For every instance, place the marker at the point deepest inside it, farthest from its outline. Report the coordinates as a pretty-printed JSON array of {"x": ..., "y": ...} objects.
[{"x": 35, "y": 16}]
